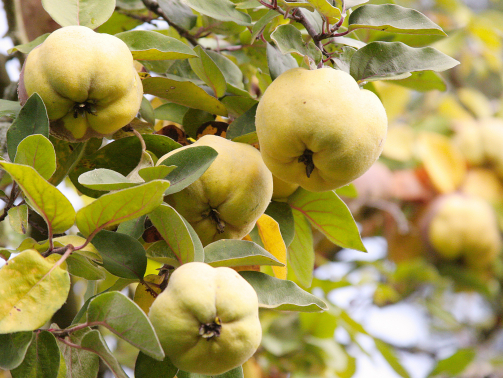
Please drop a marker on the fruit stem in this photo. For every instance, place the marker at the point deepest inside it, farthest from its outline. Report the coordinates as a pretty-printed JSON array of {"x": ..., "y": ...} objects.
[
  {"x": 214, "y": 214},
  {"x": 307, "y": 159},
  {"x": 210, "y": 330}
]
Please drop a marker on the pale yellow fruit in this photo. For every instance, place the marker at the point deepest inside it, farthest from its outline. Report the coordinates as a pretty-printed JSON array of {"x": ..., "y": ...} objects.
[
  {"x": 465, "y": 227},
  {"x": 483, "y": 183},
  {"x": 468, "y": 139},
  {"x": 86, "y": 80},
  {"x": 491, "y": 131},
  {"x": 282, "y": 189},
  {"x": 207, "y": 319},
  {"x": 226, "y": 201},
  {"x": 319, "y": 120}
]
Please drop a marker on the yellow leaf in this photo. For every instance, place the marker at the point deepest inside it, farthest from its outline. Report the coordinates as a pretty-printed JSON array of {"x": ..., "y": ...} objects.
[
  {"x": 476, "y": 102},
  {"x": 443, "y": 161},
  {"x": 32, "y": 290},
  {"x": 273, "y": 242},
  {"x": 399, "y": 143},
  {"x": 143, "y": 297}
]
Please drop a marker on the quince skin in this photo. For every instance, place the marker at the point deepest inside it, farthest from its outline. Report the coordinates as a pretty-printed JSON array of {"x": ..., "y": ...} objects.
[
  {"x": 207, "y": 319},
  {"x": 87, "y": 81},
  {"x": 226, "y": 201},
  {"x": 318, "y": 129}
]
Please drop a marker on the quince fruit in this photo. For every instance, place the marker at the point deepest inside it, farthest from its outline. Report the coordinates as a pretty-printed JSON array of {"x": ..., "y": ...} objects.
[
  {"x": 318, "y": 129},
  {"x": 226, "y": 201},
  {"x": 281, "y": 190},
  {"x": 464, "y": 227},
  {"x": 207, "y": 319},
  {"x": 87, "y": 81}
]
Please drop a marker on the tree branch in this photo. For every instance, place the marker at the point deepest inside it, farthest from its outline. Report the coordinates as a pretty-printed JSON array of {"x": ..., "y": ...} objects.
[{"x": 153, "y": 6}]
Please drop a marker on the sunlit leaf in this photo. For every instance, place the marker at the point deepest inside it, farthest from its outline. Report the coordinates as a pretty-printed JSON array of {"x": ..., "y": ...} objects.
[
  {"x": 208, "y": 71},
  {"x": 270, "y": 235},
  {"x": 18, "y": 219},
  {"x": 32, "y": 290},
  {"x": 301, "y": 251},
  {"x": 289, "y": 40},
  {"x": 46, "y": 199},
  {"x": 79, "y": 12},
  {"x": 222, "y": 10},
  {"x": 118, "y": 207},
  {"x": 37, "y": 152},
  {"x": 183, "y": 93},
  {"x": 394, "y": 19},
  {"x": 150, "y": 45}
]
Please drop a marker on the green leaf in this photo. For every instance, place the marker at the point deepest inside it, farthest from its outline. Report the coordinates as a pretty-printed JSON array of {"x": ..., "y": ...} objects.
[
  {"x": 32, "y": 119},
  {"x": 42, "y": 358},
  {"x": 123, "y": 256},
  {"x": 46, "y": 199},
  {"x": 243, "y": 126},
  {"x": 68, "y": 156},
  {"x": 118, "y": 207},
  {"x": 94, "y": 342},
  {"x": 150, "y": 45},
  {"x": 234, "y": 373},
  {"x": 173, "y": 229},
  {"x": 228, "y": 252},
  {"x": 9, "y": 109},
  {"x": 278, "y": 62},
  {"x": 237, "y": 105},
  {"x": 105, "y": 179},
  {"x": 191, "y": 163},
  {"x": 133, "y": 227},
  {"x": 282, "y": 295},
  {"x": 183, "y": 93},
  {"x": 33, "y": 289},
  {"x": 261, "y": 24},
  {"x": 289, "y": 40},
  {"x": 147, "y": 367},
  {"x": 301, "y": 251},
  {"x": 222, "y": 10},
  {"x": 229, "y": 69},
  {"x": 178, "y": 13},
  {"x": 81, "y": 266},
  {"x": 347, "y": 191},
  {"x": 394, "y": 19},
  {"x": 147, "y": 111},
  {"x": 127, "y": 320},
  {"x": 206, "y": 69},
  {"x": 326, "y": 9},
  {"x": 121, "y": 156},
  {"x": 160, "y": 251},
  {"x": 159, "y": 145},
  {"x": 79, "y": 12},
  {"x": 194, "y": 119},
  {"x": 330, "y": 215},
  {"x": 14, "y": 347},
  {"x": 26, "y": 48},
  {"x": 155, "y": 173},
  {"x": 381, "y": 60},
  {"x": 171, "y": 112},
  {"x": 80, "y": 362},
  {"x": 455, "y": 364},
  {"x": 423, "y": 81},
  {"x": 281, "y": 212},
  {"x": 38, "y": 152},
  {"x": 390, "y": 356},
  {"x": 18, "y": 219}
]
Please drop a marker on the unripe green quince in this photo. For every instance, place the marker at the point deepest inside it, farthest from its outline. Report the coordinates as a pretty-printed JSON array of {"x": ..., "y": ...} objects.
[
  {"x": 318, "y": 129},
  {"x": 226, "y": 201},
  {"x": 87, "y": 81},
  {"x": 207, "y": 319},
  {"x": 464, "y": 227}
]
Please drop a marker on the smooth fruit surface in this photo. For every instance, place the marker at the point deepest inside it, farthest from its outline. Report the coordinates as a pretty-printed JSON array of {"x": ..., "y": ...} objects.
[
  {"x": 319, "y": 129},
  {"x": 465, "y": 227},
  {"x": 226, "y": 201},
  {"x": 86, "y": 80},
  {"x": 207, "y": 319}
]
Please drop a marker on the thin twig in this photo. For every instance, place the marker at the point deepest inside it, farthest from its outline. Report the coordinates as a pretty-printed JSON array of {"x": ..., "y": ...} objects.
[{"x": 153, "y": 6}]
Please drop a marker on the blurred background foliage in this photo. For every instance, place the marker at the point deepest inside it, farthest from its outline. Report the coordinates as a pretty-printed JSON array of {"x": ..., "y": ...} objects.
[{"x": 422, "y": 302}]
